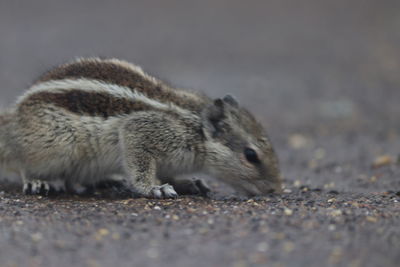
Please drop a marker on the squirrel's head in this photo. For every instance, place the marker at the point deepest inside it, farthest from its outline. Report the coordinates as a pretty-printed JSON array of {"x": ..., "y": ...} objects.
[{"x": 238, "y": 149}]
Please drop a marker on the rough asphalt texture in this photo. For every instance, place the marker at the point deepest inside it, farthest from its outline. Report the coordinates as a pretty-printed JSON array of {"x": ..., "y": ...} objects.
[{"x": 322, "y": 76}]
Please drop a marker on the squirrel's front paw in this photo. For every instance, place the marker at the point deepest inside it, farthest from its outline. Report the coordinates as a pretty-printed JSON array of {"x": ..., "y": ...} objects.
[{"x": 163, "y": 191}]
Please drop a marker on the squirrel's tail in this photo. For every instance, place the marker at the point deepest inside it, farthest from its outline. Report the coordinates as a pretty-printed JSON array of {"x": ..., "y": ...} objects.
[
  {"x": 7, "y": 159},
  {"x": 5, "y": 121}
]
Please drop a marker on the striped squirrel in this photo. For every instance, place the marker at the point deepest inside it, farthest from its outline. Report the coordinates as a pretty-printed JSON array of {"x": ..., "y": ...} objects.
[{"x": 93, "y": 119}]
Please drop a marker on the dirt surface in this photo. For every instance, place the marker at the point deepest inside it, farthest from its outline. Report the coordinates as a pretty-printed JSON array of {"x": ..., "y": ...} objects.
[{"x": 322, "y": 76}]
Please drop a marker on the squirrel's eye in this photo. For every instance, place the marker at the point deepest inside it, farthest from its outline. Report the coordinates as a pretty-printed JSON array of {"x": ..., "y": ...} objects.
[{"x": 251, "y": 155}]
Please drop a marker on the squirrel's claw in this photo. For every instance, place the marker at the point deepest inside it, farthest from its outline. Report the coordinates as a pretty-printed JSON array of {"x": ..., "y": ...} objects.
[
  {"x": 45, "y": 188},
  {"x": 36, "y": 187},
  {"x": 163, "y": 191}
]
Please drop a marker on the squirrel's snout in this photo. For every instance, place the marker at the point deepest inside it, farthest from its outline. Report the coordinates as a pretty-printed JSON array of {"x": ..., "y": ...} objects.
[
  {"x": 268, "y": 187},
  {"x": 261, "y": 187}
]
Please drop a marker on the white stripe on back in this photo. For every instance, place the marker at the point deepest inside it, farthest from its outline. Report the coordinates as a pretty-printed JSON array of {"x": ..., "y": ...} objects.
[{"x": 95, "y": 86}]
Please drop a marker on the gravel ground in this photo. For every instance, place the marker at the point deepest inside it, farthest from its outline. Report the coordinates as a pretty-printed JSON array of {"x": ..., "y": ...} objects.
[{"x": 322, "y": 76}]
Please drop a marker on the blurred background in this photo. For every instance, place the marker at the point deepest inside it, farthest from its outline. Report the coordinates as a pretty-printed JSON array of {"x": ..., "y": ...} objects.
[
  {"x": 322, "y": 76},
  {"x": 319, "y": 74}
]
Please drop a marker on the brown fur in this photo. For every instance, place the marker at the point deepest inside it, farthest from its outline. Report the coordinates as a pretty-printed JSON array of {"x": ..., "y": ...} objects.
[
  {"x": 110, "y": 72},
  {"x": 87, "y": 103}
]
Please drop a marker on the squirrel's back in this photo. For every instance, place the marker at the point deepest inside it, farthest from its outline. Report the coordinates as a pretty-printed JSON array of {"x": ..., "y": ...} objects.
[{"x": 106, "y": 88}]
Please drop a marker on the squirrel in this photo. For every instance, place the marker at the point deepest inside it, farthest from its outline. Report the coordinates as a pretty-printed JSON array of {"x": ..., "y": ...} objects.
[{"x": 93, "y": 120}]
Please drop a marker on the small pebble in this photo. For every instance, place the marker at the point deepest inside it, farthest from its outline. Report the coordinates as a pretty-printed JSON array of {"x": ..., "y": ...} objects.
[
  {"x": 298, "y": 141},
  {"x": 288, "y": 212},
  {"x": 371, "y": 219},
  {"x": 304, "y": 189},
  {"x": 37, "y": 237},
  {"x": 103, "y": 232},
  {"x": 329, "y": 185},
  {"x": 116, "y": 236},
  {"x": 336, "y": 213},
  {"x": 381, "y": 161},
  {"x": 331, "y": 227}
]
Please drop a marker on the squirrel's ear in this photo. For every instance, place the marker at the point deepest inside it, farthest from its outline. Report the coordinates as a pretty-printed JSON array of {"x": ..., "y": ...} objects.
[
  {"x": 212, "y": 116},
  {"x": 231, "y": 101},
  {"x": 215, "y": 112}
]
